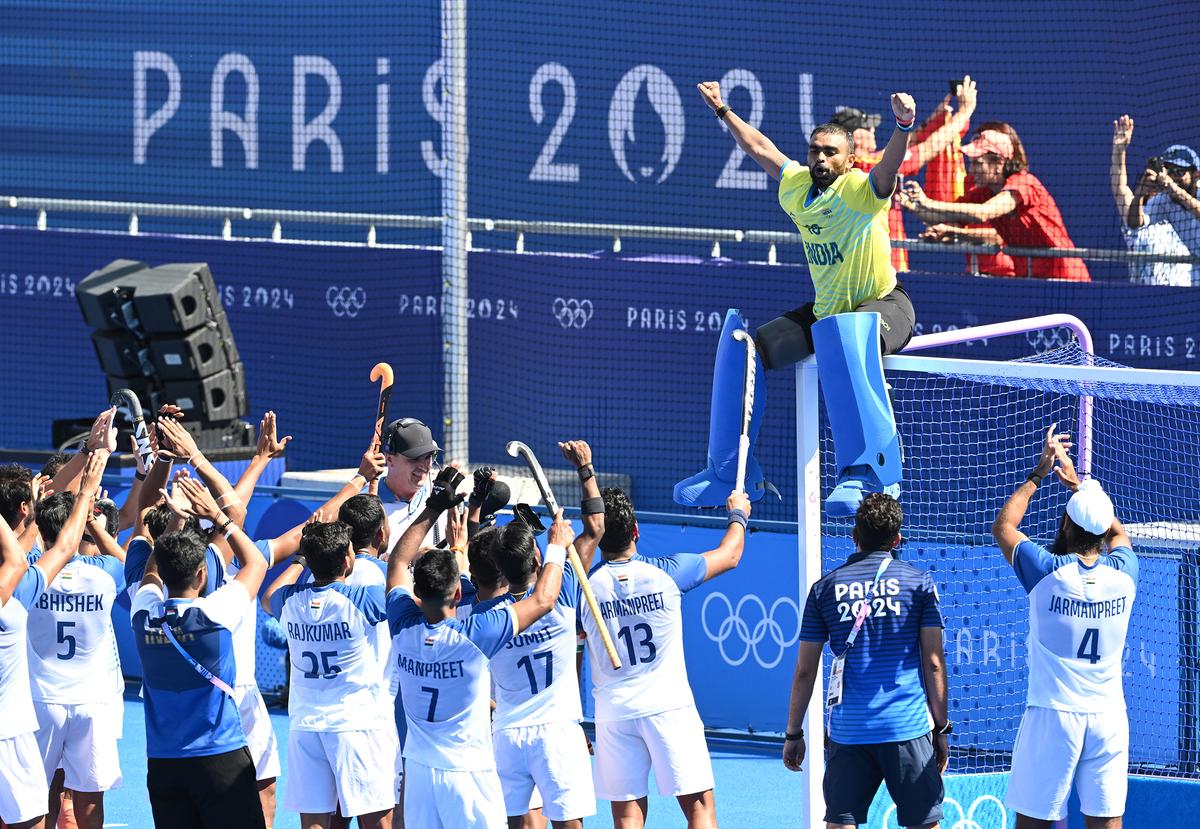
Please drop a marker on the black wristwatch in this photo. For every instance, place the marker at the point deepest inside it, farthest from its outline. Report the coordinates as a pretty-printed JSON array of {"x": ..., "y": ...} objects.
[{"x": 948, "y": 728}]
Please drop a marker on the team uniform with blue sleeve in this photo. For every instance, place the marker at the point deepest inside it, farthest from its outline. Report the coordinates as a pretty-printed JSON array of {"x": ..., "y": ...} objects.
[
  {"x": 881, "y": 729},
  {"x": 76, "y": 674},
  {"x": 24, "y": 792},
  {"x": 199, "y": 768},
  {"x": 535, "y": 728},
  {"x": 1075, "y": 725},
  {"x": 645, "y": 713},
  {"x": 341, "y": 744},
  {"x": 450, "y": 768}
]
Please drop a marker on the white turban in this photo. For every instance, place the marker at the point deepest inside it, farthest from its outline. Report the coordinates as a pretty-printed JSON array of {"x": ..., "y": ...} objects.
[{"x": 1091, "y": 509}]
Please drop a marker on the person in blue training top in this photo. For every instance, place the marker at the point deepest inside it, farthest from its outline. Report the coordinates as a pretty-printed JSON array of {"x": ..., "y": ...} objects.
[
  {"x": 1075, "y": 727},
  {"x": 199, "y": 769},
  {"x": 881, "y": 618},
  {"x": 24, "y": 794}
]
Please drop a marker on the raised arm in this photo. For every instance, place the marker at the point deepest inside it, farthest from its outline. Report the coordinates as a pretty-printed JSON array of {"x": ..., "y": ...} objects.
[
  {"x": 935, "y": 140},
  {"x": 883, "y": 176},
  {"x": 549, "y": 583},
  {"x": 269, "y": 447},
  {"x": 753, "y": 143},
  {"x": 728, "y": 553},
  {"x": 579, "y": 454},
  {"x": 485, "y": 478},
  {"x": 1118, "y": 177},
  {"x": 101, "y": 436},
  {"x": 933, "y": 669},
  {"x": 203, "y": 505},
  {"x": 127, "y": 515},
  {"x": 442, "y": 496},
  {"x": 184, "y": 447},
  {"x": 808, "y": 661},
  {"x": 12, "y": 563},
  {"x": 105, "y": 543},
  {"x": 66, "y": 546},
  {"x": 1006, "y": 528}
]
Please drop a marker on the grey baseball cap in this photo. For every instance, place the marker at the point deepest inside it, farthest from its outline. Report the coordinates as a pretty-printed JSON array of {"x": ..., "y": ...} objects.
[{"x": 408, "y": 437}]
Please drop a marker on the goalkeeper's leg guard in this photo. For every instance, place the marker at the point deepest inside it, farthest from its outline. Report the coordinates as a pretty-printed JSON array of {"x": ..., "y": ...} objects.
[
  {"x": 866, "y": 445},
  {"x": 710, "y": 487}
]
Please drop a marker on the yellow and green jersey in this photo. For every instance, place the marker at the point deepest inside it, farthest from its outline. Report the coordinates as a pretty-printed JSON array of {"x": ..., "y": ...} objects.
[{"x": 845, "y": 231}]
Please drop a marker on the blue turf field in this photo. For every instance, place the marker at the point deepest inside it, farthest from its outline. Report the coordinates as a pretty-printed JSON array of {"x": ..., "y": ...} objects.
[{"x": 753, "y": 788}]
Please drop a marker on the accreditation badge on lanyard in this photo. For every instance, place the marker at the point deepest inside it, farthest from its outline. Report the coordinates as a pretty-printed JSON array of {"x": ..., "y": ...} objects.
[{"x": 837, "y": 674}]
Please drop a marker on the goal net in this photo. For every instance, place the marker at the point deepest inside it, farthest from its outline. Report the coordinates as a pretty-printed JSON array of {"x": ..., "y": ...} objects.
[{"x": 971, "y": 432}]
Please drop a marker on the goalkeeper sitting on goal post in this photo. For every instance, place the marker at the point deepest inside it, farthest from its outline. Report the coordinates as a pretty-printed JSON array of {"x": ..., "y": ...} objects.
[
  {"x": 1075, "y": 727},
  {"x": 841, "y": 213}
]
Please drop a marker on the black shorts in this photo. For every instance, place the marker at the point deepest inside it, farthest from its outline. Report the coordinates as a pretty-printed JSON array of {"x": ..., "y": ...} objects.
[
  {"x": 214, "y": 792},
  {"x": 896, "y": 319},
  {"x": 853, "y": 774}
]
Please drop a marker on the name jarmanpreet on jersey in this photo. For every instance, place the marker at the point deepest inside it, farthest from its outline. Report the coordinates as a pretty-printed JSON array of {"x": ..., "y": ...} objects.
[
  {"x": 1078, "y": 617},
  {"x": 845, "y": 230},
  {"x": 640, "y": 601},
  {"x": 336, "y": 679},
  {"x": 444, "y": 678},
  {"x": 16, "y": 702},
  {"x": 534, "y": 674},
  {"x": 72, "y": 646}
]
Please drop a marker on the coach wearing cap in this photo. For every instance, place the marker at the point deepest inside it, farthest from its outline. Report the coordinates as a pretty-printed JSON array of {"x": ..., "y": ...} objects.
[
  {"x": 1081, "y": 592},
  {"x": 411, "y": 451}
]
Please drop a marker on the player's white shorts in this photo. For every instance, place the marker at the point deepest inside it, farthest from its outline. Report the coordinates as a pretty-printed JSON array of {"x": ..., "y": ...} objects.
[
  {"x": 260, "y": 736},
  {"x": 552, "y": 759},
  {"x": 671, "y": 741},
  {"x": 352, "y": 768},
  {"x": 24, "y": 793},
  {"x": 440, "y": 799},
  {"x": 81, "y": 740},
  {"x": 1054, "y": 748}
]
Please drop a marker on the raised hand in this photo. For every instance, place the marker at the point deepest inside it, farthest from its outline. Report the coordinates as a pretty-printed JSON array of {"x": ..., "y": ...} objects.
[
  {"x": 484, "y": 476},
  {"x": 373, "y": 463},
  {"x": 269, "y": 446},
  {"x": 94, "y": 470},
  {"x": 561, "y": 532},
  {"x": 710, "y": 91},
  {"x": 1055, "y": 443},
  {"x": 201, "y": 500},
  {"x": 577, "y": 453},
  {"x": 904, "y": 107},
  {"x": 170, "y": 410},
  {"x": 443, "y": 493},
  {"x": 738, "y": 500},
  {"x": 1123, "y": 132},
  {"x": 142, "y": 469},
  {"x": 456, "y": 528},
  {"x": 968, "y": 94},
  {"x": 182, "y": 444},
  {"x": 103, "y": 434}
]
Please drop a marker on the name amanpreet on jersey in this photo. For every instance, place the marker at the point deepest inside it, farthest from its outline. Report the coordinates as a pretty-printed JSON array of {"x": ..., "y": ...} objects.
[
  {"x": 640, "y": 601},
  {"x": 534, "y": 675},
  {"x": 72, "y": 646},
  {"x": 1078, "y": 617},
  {"x": 845, "y": 230},
  {"x": 336, "y": 680}
]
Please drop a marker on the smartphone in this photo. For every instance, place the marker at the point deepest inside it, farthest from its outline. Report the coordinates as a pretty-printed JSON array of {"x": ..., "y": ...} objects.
[
  {"x": 955, "y": 83},
  {"x": 1155, "y": 163}
]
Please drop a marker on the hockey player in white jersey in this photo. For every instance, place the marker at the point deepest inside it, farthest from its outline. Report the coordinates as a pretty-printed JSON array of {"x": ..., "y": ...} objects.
[
  {"x": 1081, "y": 593},
  {"x": 645, "y": 714},
  {"x": 450, "y": 768},
  {"x": 342, "y": 746},
  {"x": 73, "y": 662},
  {"x": 24, "y": 793}
]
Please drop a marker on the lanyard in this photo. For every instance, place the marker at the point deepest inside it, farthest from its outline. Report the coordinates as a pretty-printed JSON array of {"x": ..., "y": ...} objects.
[
  {"x": 191, "y": 660},
  {"x": 865, "y": 609}
]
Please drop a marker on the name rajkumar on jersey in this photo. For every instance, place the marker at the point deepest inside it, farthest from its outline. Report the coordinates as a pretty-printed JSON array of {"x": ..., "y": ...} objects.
[
  {"x": 328, "y": 632},
  {"x": 1079, "y": 609},
  {"x": 632, "y": 606}
]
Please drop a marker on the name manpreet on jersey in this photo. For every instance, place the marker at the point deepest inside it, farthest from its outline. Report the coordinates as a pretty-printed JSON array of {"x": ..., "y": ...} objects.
[{"x": 845, "y": 230}]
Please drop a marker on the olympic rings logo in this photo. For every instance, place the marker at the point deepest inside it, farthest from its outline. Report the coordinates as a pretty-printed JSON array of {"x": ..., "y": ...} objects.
[
  {"x": 1048, "y": 339},
  {"x": 753, "y": 630},
  {"x": 345, "y": 302},
  {"x": 571, "y": 312},
  {"x": 966, "y": 819}
]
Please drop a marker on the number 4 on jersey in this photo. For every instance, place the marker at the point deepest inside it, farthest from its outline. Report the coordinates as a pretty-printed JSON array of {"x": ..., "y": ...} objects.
[{"x": 1089, "y": 647}]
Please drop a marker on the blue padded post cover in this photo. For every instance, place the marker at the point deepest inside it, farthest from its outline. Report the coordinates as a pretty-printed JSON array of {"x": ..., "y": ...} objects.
[
  {"x": 712, "y": 486},
  {"x": 856, "y": 401}
]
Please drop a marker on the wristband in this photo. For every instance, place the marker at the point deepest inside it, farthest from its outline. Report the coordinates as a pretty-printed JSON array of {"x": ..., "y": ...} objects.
[
  {"x": 555, "y": 554},
  {"x": 230, "y": 497},
  {"x": 1034, "y": 478},
  {"x": 192, "y": 460},
  {"x": 585, "y": 472},
  {"x": 737, "y": 517},
  {"x": 906, "y": 127},
  {"x": 591, "y": 506},
  {"x": 458, "y": 550},
  {"x": 224, "y": 528},
  {"x": 721, "y": 111},
  {"x": 792, "y": 736},
  {"x": 141, "y": 476}
]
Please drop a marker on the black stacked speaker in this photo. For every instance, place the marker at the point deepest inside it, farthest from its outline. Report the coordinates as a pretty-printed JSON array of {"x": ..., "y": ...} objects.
[{"x": 162, "y": 332}]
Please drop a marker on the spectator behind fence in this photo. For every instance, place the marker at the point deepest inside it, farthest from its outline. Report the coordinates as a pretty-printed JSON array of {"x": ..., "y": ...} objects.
[
  {"x": 936, "y": 143},
  {"x": 1014, "y": 204},
  {"x": 1161, "y": 215}
]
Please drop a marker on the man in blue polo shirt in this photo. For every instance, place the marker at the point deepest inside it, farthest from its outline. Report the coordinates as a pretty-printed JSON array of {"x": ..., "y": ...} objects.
[
  {"x": 881, "y": 619},
  {"x": 199, "y": 770}
]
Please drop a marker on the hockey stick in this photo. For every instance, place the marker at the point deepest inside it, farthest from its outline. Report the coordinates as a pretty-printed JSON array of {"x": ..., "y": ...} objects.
[
  {"x": 747, "y": 409},
  {"x": 518, "y": 449},
  {"x": 382, "y": 371},
  {"x": 128, "y": 402}
]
